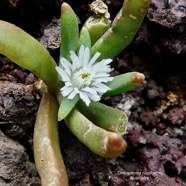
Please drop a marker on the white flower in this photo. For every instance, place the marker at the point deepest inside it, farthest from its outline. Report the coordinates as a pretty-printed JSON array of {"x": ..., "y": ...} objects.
[{"x": 84, "y": 76}]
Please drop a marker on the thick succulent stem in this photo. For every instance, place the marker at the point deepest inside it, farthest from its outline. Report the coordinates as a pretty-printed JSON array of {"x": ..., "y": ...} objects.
[{"x": 48, "y": 158}]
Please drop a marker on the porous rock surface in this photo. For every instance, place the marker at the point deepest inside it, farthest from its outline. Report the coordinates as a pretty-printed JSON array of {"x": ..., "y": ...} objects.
[{"x": 15, "y": 167}]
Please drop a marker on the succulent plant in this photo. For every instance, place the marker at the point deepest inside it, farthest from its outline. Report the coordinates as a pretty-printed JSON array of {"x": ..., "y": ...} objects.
[{"x": 71, "y": 91}]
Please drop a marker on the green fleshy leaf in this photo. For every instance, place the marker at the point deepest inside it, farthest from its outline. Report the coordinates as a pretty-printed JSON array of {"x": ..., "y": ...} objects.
[
  {"x": 46, "y": 144},
  {"x": 66, "y": 105},
  {"x": 102, "y": 142},
  {"x": 84, "y": 38},
  {"x": 123, "y": 29},
  {"x": 97, "y": 26},
  {"x": 27, "y": 52},
  {"x": 124, "y": 82},
  {"x": 104, "y": 116},
  {"x": 69, "y": 31}
]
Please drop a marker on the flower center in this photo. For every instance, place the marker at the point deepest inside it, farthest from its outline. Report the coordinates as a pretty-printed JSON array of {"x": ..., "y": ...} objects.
[
  {"x": 85, "y": 76},
  {"x": 81, "y": 78}
]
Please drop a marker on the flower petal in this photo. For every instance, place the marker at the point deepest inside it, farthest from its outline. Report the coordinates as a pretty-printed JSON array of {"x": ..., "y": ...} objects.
[
  {"x": 66, "y": 62},
  {"x": 64, "y": 76},
  {"x": 66, "y": 90},
  {"x": 105, "y": 69},
  {"x": 75, "y": 60},
  {"x": 86, "y": 56},
  {"x": 93, "y": 97},
  {"x": 89, "y": 90},
  {"x": 72, "y": 95},
  {"x": 94, "y": 58},
  {"x": 98, "y": 66},
  {"x": 107, "y": 61},
  {"x": 67, "y": 69},
  {"x": 68, "y": 84},
  {"x": 102, "y": 80},
  {"x": 102, "y": 75},
  {"x": 85, "y": 98},
  {"x": 81, "y": 53},
  {"x": 100, "y": 87}
]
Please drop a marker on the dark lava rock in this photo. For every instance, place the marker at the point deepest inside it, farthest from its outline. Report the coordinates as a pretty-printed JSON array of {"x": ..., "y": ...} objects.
[
  {"x": 18, "y": 106},
  {"x": 51, "y": 38},
  {"x": 168, "y": 13},
  {"x": 151, "y": 160},
  {"x": 9, "y": 71},
  {"x": 15, "y": 167},
  {"x": 29, "y": 14},
  {"x": 160, "y": 159},
  {"x": 164, "y": 30},
  {"x": 176, "y": 116}
]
